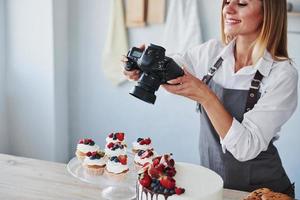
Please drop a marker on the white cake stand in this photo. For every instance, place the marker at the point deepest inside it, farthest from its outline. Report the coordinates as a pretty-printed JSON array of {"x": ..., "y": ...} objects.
[{"x": 112, "y": 189}]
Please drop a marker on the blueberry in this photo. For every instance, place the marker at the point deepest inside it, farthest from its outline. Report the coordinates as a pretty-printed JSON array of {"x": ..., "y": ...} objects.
[
  {"x": 115, "y": 137},
  {"x": 152, "y": 185},
  {"x": 113, "y": 157},
  {"x": 91, "y": 143},
  {"x": 161, "y": 189},
  {"x": 117, "y": 160},
  {"x": 172, "y": 191},
  {"x": 98, "y": 156},
  {"x": 166, "y": 191},
  {"x": 156, "y": 189},
  {"x": 139, "y": 139},
  {"x": 93, "y": 157},
  {"x": 140, "y": 152}
]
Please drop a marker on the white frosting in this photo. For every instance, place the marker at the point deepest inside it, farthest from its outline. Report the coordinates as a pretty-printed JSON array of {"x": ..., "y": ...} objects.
[
  {"x": 109, "y": 140},
  {"x": 116, "y": 152},
  {"x": 87, "y": 148},
  {"x": 115, "y": 167},
  {"x": 99, "y": 162},
  {"x": 199, "y": 183},
  {"x": 137, "y": 146},
  {"x": 138, "y": 159}
]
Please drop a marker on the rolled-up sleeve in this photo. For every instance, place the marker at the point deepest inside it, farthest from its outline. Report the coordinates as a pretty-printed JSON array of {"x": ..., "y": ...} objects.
[{"x": 246, "y": 139}]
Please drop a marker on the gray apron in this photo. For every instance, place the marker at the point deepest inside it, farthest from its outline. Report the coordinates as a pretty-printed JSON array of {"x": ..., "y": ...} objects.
[{"x": 263, "y": 171}]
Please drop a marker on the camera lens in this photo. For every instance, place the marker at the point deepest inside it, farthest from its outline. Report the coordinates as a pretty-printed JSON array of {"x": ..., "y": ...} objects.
[{"x": 145, "y": 88}]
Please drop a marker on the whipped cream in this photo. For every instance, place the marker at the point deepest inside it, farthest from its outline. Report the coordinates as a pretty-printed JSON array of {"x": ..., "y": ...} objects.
[
  {"x": 115, "y": 167},
  {"x": 137, "y": 146},
  {"x": 87, "y": 148},
  {"x": 116, "y": 152},
  {"x": 109, "y": 140},
  {"x": 141, "y": 161},
  {"x": 98, "y": 162}
]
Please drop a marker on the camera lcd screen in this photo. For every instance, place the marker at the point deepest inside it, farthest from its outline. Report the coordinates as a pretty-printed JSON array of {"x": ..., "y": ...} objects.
[{"x": 136, "y": 54}]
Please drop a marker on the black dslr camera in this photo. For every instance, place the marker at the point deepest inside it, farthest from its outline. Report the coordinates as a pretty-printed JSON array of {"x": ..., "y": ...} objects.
[{"x": 156, "y": 69}]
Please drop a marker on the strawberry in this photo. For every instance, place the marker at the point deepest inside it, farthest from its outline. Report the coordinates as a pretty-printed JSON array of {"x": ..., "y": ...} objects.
[
  {"x": 147, "y": 141},
  {"x": 111, "y": 135},
  {"x": 110, "y": 145},
  {"x": 156, "y": 160},
  {"x": 153, "y": 172},
  {"x": 94, "y": 153},
  {"x": 145, "y": 180},
  {"x": 179, "y": 191},
  {"x": 120, "y": 136},
  {"x": 123, "y": 159},
  {"x": 167, "y": 182}
]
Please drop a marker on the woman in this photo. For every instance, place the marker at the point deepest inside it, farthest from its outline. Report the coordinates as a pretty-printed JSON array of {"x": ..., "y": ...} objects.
[{"x": 247, "y": 90}]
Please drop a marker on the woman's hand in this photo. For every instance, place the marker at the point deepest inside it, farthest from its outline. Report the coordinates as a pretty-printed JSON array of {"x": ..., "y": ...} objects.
[
  {"x": 135, "y": 74},
  {"x": 191, "y": 87}
]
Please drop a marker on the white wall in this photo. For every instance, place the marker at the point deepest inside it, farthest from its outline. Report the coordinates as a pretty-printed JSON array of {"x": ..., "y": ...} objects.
[
  {"x": 4, "y": 141},
  {"x": 98, "y": 108},
  {"x": 60, "y": 30},
  {"x": 30, "y": 78}
]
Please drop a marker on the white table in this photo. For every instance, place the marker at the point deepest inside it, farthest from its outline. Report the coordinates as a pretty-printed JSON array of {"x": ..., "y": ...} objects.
[{"x": 31, "y": 179}]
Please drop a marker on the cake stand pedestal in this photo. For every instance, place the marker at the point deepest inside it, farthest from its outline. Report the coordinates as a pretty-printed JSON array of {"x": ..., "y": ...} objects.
[{"x": 112, "y": 188}]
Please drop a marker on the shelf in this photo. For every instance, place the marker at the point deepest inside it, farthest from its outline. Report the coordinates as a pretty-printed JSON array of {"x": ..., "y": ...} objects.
[{"x": 294, "y": 14}]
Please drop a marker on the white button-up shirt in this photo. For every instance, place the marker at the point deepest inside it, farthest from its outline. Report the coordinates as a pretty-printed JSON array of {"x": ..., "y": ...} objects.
[{"x": 278, "y": 101}]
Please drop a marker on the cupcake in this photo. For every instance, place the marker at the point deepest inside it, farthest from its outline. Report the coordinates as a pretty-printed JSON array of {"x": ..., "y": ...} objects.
[
  {"x": 117, "y": 167},
  {"x": 115, "y": 149},
  {"x": 143, "y": 157},
  {"x": 94, "y": 163},
  {"x": 84, "y": 146},
  {"x": 141, "y": 144},
  {"x": 116, "y": 138}
]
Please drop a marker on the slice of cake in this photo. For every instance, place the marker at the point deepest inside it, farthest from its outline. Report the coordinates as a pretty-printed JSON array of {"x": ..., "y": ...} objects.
[
  {"x": 84, "y": 146},
  {"x": 141, "y": 144},
  {"x": 165, "y": 179}
]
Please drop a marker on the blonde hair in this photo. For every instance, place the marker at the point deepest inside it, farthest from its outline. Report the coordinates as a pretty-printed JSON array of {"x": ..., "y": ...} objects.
[{"x": 273, "y": 34}]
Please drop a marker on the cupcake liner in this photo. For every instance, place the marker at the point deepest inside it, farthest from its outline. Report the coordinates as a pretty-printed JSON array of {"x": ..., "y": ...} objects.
[{"x": 94, "y": 170}]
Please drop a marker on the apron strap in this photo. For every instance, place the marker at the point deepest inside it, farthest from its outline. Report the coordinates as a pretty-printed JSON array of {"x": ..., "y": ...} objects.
[{"x": 253, "y": 91}]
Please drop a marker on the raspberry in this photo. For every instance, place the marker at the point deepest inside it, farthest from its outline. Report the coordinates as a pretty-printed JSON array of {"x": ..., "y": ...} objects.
[
  {"x": 111, "y": 135},
  {"x": 110, "y": 145},
  {"x": 179, "y": 191},
  {"x": 120, "y": 136},
  {"x": 88, "y": 154},
  {"x": 147, "y": 141},
  {"x": 123, "y": 159}
]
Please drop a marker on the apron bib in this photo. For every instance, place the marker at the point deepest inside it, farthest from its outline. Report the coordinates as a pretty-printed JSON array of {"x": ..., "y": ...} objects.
[{"x": 263, "y": 171}]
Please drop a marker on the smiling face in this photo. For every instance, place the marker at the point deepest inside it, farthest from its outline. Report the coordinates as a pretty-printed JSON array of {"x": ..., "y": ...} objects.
[{"x": 242, "y": 17}]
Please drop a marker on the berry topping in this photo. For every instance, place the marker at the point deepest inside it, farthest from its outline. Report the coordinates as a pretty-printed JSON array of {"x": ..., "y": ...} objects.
[
  {"x": 110, "y": 145},
  {"x": 88, "y": 154},
  {"x": 154, "y": 172},
  {"x": 179, "y": 191},
  {"x": 120, "y": 136},
  {"x": 111, "y": 135},
  {"x": 167, "y": 182},
  {"x": 145, "y": 180},
  {"x": 147, "y": 141},
  {"x": 140, "y": 152},
  {"x": 139, "y": 139},
  {"x": 123, "y": 159}
]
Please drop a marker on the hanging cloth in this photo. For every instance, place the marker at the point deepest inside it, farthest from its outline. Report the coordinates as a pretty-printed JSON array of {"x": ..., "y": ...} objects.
[
  {"x": 116, "y": 44},
  {"x": 182, "y": 30}
]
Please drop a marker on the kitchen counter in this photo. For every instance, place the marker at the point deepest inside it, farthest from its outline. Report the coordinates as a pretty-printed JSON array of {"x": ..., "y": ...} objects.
[{"x": 31, "y": 179}]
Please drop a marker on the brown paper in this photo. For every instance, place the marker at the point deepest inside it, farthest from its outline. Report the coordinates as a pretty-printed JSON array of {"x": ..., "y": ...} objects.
[
  {"x": 135, "y": 13},
  {"x": 156, "y": 11}
]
